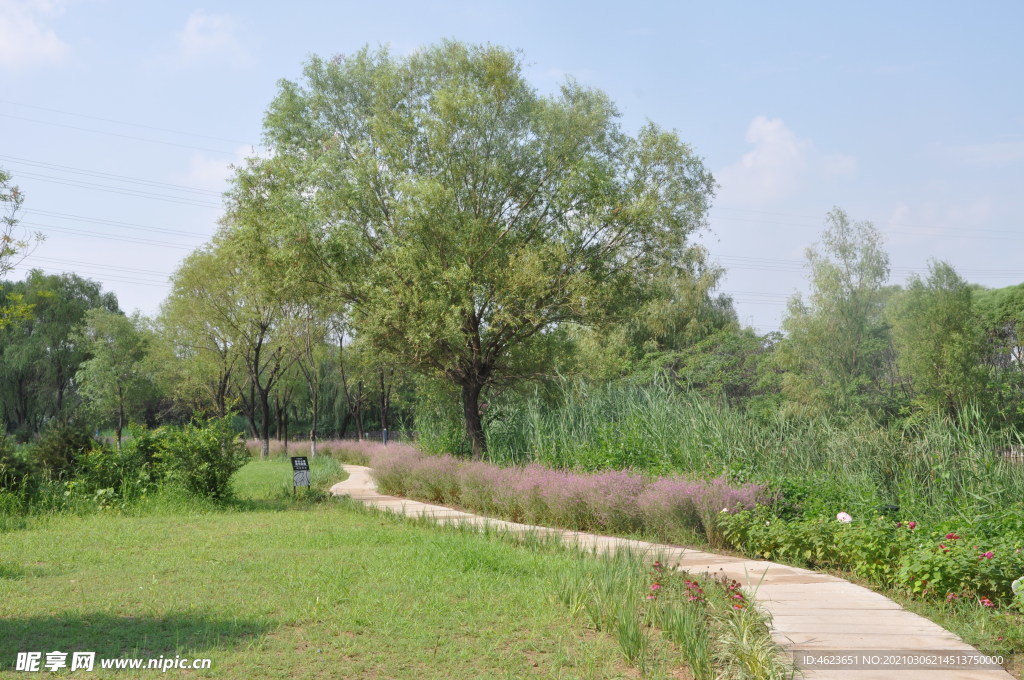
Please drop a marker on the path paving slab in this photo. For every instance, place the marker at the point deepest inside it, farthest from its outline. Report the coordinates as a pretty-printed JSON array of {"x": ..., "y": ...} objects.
[{"x": 808, "y": 611}]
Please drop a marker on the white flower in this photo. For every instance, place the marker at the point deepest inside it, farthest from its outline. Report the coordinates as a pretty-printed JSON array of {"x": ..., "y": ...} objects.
[
  {"x": 1018, "y": 586},
  {"x": 725, "y": 509},
  {"x": 844, "y": 518}
]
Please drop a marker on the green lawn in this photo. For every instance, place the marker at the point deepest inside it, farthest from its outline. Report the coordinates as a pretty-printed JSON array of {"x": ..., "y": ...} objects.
[{"x": 273, "y": 588}]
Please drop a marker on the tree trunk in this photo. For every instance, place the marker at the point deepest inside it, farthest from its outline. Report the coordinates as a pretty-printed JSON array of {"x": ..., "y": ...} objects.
[
  {"x": 312, "y": 428},
  {"x": 358, "y": 410},
  {"x": 277, "y": 416},
  {"x": 120, "y": 426},
  {"x": 385, "y": 401},
  {"x": 265, "y": 426},
  {"x": 285, "y": 418},
  {"x": 471, "y": 412}
]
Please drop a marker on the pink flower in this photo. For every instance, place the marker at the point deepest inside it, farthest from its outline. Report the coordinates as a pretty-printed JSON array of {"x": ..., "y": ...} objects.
[
  {"x": 912, "y": 525},
  {"x": 652, "y": 596},
  {"x": 987, "y": 602},
  {"x": 658, "y": 565},
  {"x": 951, "y": 596},
  {"x": 986, "y": 555},
  {"x": 655, "y": 586}
]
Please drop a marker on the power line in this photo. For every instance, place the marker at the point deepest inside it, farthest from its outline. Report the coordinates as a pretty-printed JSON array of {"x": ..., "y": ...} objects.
[
  {"x": 115, "y": 223},
  {"x": 121, "y": 122},
  {"x": 182, "y": 200},
  {"x": 129, "y": 270},
  {"x": 109, "y": 237},
  {"x": 107, "y": 175},
  {"x": 116, "y": 134},
  {"x": 104, "y": 276}
]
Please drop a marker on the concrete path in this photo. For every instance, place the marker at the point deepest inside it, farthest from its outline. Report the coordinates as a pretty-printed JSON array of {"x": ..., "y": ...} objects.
[{"x": 822, "y": 614}]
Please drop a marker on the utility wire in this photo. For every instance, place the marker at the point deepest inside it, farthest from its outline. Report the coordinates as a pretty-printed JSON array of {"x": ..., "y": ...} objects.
[
  {"x": 121, "y": 122},
  {"x": 182, "y": 200},
  {"x": 128, "y": 270},
  {"x": 107, "y": 175},
  {"x": 88, "y": 274},
  {"x": 114, "y": 223},
  {"x": 109, "y": 237},
  {"x": 116, "y": 134}
]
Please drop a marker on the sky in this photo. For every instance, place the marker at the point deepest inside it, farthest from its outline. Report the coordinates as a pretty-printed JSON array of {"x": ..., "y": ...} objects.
[{"x": 120, "y": 120}]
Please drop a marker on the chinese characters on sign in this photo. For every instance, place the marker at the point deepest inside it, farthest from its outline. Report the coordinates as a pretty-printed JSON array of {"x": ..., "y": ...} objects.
[{"x": 300, "y": 471}]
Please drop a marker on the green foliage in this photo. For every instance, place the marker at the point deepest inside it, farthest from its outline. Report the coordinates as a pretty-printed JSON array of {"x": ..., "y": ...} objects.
[
  {"x": 13, "y": 248},
  {"x": 58, "y": 448},
  {"x": 40, "y": 356},
  {"x": 203, "y": 455},
  {"x": 835, "y": 352},
  {"x": 116, "y": 382},
  {"x": 976, "y": 561},
  {"x": 466, "y": 218},
  {"x": 938, "y": 339},
  {"x": 128, "y": 473},
  {"x": 1018, "y": 593},
  {"x": 15, "y": 470}
]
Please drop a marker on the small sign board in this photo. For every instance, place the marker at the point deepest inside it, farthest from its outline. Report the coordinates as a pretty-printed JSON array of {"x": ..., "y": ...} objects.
[{"x": 300, "y": 471}]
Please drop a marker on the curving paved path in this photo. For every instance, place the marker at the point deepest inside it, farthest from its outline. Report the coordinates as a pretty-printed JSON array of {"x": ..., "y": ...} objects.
[{"x": 809, "y": 611}]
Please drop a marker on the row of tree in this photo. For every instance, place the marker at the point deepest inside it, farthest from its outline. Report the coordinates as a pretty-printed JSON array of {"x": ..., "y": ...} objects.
[{"x": 430, "y": 232}]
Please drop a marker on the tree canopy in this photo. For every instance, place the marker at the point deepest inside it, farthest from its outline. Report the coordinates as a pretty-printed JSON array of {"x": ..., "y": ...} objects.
[{"x": 464, "y": 216}]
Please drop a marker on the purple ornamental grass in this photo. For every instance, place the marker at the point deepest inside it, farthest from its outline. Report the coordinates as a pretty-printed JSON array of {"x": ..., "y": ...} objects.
[
  {"x": 613, "y": 501},
  {"x": 671, "y": 504}
]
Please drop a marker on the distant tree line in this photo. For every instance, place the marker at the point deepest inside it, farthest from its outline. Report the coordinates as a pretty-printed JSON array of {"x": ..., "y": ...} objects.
[{"x": 429, "y": 237}]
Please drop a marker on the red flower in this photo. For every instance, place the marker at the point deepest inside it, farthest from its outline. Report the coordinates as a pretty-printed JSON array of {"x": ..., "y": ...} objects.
[
  {"x": 952, "y": 536},
  {"x": 912, "y": 525}
]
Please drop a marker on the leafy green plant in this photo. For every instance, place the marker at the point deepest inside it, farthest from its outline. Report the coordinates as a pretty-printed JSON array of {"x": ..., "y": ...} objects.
[
  {"x": 686, "y": 625},
  {"x": 59, "y": 446},
  {"x": 203, "y": 455},
  {"x": 15, "y": 471}
]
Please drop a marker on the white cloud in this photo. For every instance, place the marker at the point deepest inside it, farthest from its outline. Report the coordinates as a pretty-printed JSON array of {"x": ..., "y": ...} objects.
[
  {"x": 779, "y": 166},
  {"x": 772, "y": 169},
  {"x": 208, "y": 37},
  {"x": 212, "y": 174},
  {"x": 24, "y": 37}
]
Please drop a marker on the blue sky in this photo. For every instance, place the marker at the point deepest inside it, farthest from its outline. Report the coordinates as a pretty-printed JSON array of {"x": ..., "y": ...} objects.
[{"x": 119, "y": 119}]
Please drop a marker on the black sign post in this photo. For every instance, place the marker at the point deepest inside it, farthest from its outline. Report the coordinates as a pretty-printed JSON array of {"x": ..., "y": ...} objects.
[{"x": 300, "y": 472}]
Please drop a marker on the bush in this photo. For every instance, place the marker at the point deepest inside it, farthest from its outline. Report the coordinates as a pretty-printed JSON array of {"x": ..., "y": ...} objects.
[
  {"x": 126, "y": 474},
  {"x": 59, "y": 447},
  {"x": 15, "y": 471},
  {"x": 203, "y": 455}
]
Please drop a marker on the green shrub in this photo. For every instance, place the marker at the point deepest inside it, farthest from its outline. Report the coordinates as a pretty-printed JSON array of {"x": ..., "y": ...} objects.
[
  {"x": 126, "y": 474},
  {"x": 203, "y": 455},
  {"x": 964, "y": 566},
  {"x": 60, "y": 445},
  {"x": 15, "y": 471}
]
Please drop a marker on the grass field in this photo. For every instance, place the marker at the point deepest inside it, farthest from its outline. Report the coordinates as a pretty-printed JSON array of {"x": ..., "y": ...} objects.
[{"x": 275, "y": 588}]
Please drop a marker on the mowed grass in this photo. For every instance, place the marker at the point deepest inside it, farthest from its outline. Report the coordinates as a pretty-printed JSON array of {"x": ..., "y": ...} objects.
[{"x": 275, "y": 588}]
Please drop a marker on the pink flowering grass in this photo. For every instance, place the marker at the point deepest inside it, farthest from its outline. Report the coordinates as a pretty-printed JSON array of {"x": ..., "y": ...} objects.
[
  {"x": 671, "y": 504},
  {"x": 619, "y": 501}
]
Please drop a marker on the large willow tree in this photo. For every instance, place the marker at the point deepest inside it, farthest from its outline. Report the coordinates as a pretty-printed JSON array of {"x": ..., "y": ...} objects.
[{"x": 460, "y": 215}]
